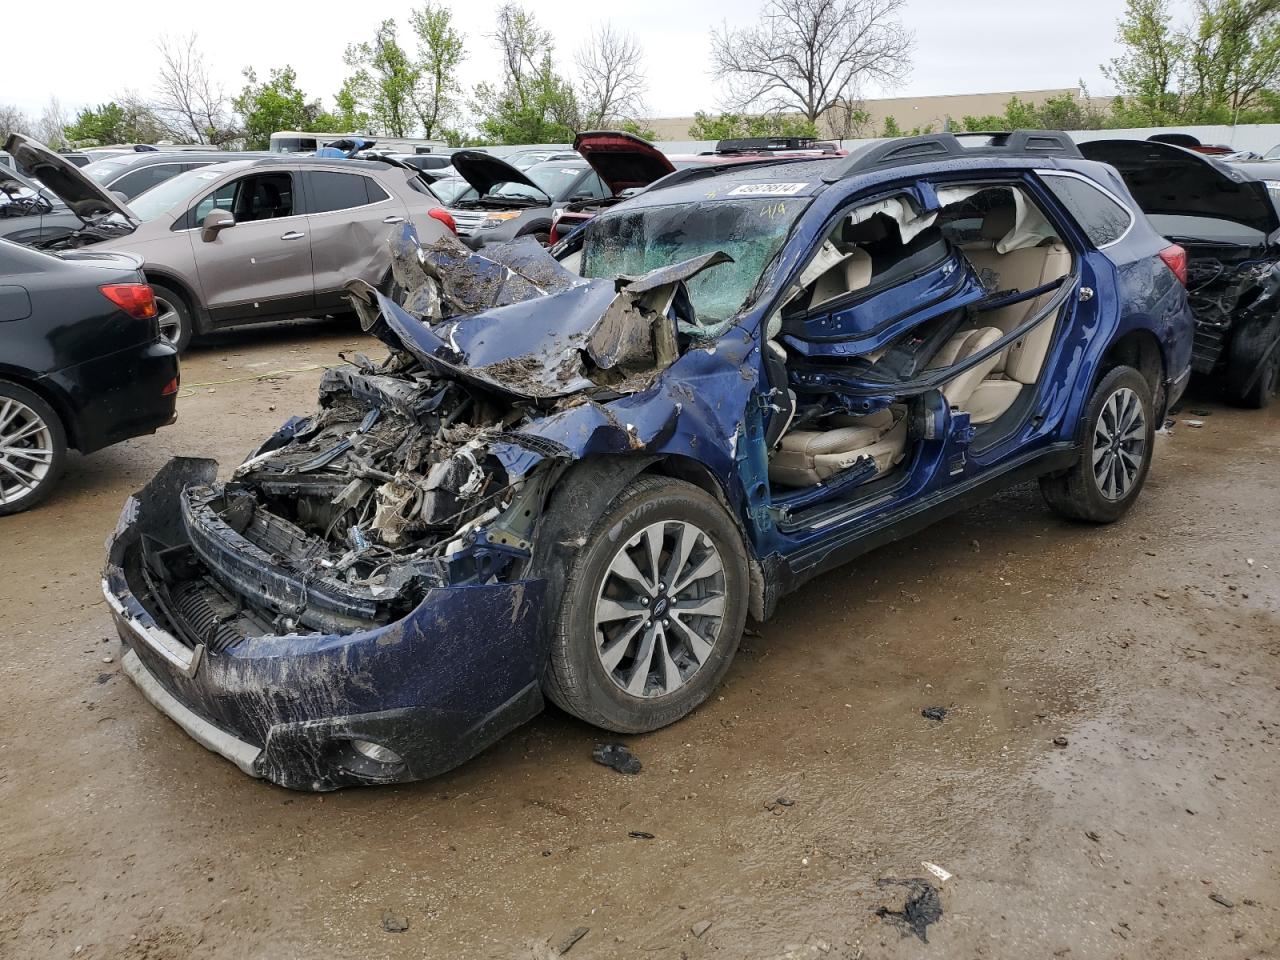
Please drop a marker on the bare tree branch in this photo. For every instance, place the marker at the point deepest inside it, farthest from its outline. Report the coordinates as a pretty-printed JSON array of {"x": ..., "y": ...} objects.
[
  {"x": 808, "y": 56},
  {"x": 611, "y": 78},
  {"x": 14, "y": 120},
  {"x": 188, "y": 100}
]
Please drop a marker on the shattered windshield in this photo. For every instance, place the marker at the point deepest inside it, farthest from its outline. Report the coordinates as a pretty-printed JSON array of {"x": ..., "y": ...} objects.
[{"x": 633, "y": 242}]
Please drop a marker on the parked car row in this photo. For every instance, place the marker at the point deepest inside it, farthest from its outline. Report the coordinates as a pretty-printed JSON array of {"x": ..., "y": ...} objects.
[
  {"x": 246, "y": 240},
  {"x": 580, "y": 468}
]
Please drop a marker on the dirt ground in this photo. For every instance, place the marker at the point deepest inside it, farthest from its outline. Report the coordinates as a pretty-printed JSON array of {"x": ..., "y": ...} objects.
[{"x": 1150, "y": 649}]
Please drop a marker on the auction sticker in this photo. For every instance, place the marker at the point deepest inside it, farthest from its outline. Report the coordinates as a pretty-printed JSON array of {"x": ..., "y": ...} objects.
[{"x": 767, "y": 190}]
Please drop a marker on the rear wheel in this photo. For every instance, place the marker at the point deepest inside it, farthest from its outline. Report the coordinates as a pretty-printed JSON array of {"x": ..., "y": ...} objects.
[
  {"x": 173, "y": 317},
  {"x": 33, "y": 448},
  {"x": 652, "y": 610},
  {"x": 1115, "y": 452},
  {"x": 1252, "y": 383}
]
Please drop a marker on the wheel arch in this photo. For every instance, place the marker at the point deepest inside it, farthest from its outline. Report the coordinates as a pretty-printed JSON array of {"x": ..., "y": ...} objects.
[
  {"x": 1141, "y": 350},
  {"x": 51, "y": 395},
  {"x": 182, "y": 289}
]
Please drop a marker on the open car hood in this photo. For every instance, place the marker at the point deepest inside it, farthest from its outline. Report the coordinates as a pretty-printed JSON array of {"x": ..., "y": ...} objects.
[
  {"x": 484, "y": 172},
  {"x": 1174, "y": 181},
  {"x": 622, "y": 160},
  {"x": 63, "y": 179}
]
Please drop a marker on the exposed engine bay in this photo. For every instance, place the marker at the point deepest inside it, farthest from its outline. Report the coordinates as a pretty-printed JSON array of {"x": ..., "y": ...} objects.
[{"x": 401, "y": 480}]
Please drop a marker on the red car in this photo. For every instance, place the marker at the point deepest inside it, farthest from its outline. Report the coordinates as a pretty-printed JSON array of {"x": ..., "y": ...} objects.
[{"x": 626, "y": 163}]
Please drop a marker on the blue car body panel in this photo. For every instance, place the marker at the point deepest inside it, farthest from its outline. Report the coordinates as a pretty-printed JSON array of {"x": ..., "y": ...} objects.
[{"x": 464, "y": 667}]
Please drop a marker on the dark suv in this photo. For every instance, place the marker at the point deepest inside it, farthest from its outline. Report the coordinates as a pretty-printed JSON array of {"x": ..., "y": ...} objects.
[{"x": 574, "y": 478}]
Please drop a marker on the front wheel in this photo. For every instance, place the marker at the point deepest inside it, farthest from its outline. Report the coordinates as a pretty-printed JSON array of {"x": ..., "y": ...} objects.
[
  {"x": 33, "y": 448},
  {"x": 173, "y": 317},
  {"x": 652, "y": 610},
  {"x": 1115, "y": 452}
]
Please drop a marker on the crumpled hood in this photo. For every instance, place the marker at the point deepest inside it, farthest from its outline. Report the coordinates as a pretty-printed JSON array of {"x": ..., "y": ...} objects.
[
  {"x": 484, "y": 171},
  {"x": 514, "y": 320},
  {"x": 622, "y": 160},
  {"x": 62, "y": 178},
  {"x": 1174, "y": 181}
]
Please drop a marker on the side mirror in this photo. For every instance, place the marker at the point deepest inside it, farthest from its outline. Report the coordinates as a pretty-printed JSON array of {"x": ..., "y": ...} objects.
[
  {"x": 120, "y": 195},
  {"x": 214, "y": 223}
]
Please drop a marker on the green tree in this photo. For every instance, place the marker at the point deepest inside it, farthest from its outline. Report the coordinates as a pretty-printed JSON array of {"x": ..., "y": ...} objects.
[
  {"x": 437, "y": 95},
  {"x": 1148, "y": 70},
  {"x": 727, "y": 126},
  {"x": 891, "y": 128},
  {"x": 383, "y": 83},
  {"x": 1233, "y": 54},
  {"x": 633, "y": 127},
  {"x": 532, "y": 103},
  {"x": 275, "y": 104}
]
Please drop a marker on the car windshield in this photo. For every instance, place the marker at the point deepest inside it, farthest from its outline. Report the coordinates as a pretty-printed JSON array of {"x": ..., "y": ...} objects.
[
  {"x": 452, "y": 189},
  {"x": 632, "y": 242},
  {"x": 104, "y": 171},
  {"x": 173, "y": 194},
  {"x": 552, "y": 178}
]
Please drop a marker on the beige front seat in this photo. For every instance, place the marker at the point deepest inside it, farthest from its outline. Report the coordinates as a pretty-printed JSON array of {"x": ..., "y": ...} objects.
[
  {"x": 1020, "y": 364},
  {"x": 807, "y": 457}
]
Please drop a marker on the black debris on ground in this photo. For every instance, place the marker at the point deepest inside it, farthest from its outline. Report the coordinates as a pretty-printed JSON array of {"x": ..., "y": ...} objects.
[
  {"x": 934, "y": 713},
  {"x": 639, "y": 834},
  {"x": 922, "y": 907},
  {"x": 616, "y": 756},
  {"x": 394, "y": 924},
  {"x": 1219, "y": 898},
  {"x": 1060, "y": 741}
]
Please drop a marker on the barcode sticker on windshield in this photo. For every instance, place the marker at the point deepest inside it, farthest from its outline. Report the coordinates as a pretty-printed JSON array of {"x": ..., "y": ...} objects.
[{"x": 767, "y": 190}]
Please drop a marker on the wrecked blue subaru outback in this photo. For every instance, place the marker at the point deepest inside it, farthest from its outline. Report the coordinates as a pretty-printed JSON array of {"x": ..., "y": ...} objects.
[{"x": 578, "y": 471}]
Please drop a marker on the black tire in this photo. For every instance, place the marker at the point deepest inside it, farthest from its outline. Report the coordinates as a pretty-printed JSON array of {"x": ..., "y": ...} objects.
[
  {"x": 576, "y": 678},
  {"x": 1078, "y": 492},
  {"x": 1248, "y": 383},
  {"x": 11, "y": 396},
  {"x": 169, "y": 301}
]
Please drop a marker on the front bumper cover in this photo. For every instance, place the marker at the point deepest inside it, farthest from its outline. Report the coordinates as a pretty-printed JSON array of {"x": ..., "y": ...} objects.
[{"x": 436, "y": 687}]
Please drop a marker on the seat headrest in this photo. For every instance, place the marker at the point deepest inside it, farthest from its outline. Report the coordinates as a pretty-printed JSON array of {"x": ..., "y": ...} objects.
[
  {"x": 999, "y": 222},
  {"x": 873, "y": 230}
]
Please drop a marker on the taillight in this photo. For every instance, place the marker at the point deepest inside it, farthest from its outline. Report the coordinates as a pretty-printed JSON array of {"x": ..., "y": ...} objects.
[
  {"x": 170, "y": 388},
  {"x": 439, "y": 213},
  {"x": 1175, "y": 258},
  {"x": 135, "y": 299}
]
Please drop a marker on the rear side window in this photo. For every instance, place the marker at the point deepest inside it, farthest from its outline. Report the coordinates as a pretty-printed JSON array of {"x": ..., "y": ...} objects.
[
  {"x": 341, "y": 191},
  {"x": 1101, "y": 218},
  {"x": 140, "y": 181}
]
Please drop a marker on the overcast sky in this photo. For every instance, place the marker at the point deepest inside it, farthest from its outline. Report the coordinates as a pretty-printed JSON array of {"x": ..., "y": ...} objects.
[{"x": 88, "y": 51}]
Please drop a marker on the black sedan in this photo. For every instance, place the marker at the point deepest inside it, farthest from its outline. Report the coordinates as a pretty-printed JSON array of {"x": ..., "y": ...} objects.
[{"x": 82, "y": 365}]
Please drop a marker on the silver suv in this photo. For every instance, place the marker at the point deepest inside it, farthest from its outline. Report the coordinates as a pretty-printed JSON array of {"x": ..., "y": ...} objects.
[{"x": 247, "y": 240}]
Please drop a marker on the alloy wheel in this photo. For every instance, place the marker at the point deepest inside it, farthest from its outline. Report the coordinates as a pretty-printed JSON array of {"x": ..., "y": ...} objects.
[
  {"x": 1119, "y": 444},
  {"x": 169, "y": 321},
  {"x": 660, "y": 609},
  {"x": 26, "y": 450}
]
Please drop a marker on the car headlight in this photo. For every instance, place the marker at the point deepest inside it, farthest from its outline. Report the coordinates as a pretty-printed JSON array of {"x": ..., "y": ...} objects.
[{"x": 497, "y": 219}]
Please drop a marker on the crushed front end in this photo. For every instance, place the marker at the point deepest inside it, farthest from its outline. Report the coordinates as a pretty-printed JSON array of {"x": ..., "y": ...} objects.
[{"x": 357, "y": 602}]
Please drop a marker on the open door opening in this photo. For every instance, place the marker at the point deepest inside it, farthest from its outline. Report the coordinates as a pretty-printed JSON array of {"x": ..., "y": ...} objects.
[{"x": 899, "y": 308}]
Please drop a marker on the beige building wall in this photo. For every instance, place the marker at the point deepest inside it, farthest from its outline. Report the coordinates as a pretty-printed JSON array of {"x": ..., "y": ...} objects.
[{"x": 909, "y": 112}]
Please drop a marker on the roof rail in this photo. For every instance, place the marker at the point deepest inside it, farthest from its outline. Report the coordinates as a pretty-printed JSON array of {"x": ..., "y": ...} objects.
[
  {"x": 949, "y": 146},
  {"x": 759, "y": 144}
]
